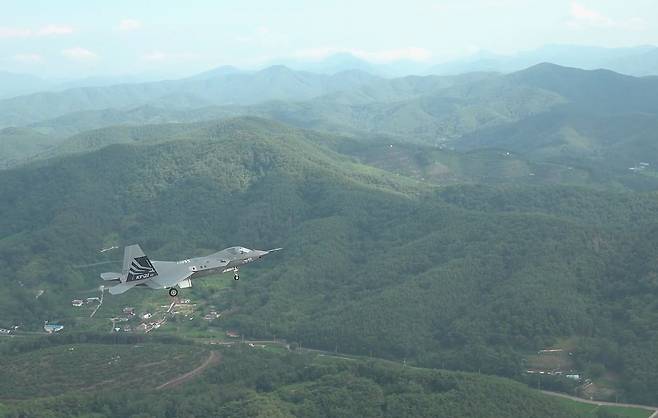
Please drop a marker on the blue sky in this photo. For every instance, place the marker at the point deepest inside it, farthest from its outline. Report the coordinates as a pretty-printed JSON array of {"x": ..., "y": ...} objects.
[{"x": 75, "y": 38}]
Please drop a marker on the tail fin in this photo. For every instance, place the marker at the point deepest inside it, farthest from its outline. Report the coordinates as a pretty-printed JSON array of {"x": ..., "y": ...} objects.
[{"x": 136, "y": 265}]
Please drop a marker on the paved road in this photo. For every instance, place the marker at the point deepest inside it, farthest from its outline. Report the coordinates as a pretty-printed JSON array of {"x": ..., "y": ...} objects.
[{"x": 601, "y": 403}]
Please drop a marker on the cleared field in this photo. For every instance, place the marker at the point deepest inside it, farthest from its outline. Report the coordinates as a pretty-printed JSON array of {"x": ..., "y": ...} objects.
[
  {"x": 81, "y": 367},
  {"x": 550, "y": 361}
]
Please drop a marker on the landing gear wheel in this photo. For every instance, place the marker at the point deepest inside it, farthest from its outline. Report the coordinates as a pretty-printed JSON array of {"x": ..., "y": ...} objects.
[
  {"x": 236, "y": 276},
  {"x": 173, "y": 292}
]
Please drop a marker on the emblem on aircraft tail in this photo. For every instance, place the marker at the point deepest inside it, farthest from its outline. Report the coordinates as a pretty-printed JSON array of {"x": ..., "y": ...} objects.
[{"x": 140, "y": 269}]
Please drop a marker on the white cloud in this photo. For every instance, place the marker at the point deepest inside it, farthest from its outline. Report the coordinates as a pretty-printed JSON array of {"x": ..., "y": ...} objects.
[
  {"x": 263, "y": 36},
  {"x": 259, "y": 34},
  {"x": 127, "y": 25},
  {"x": 158, "y": 56},
  {"x": 48, "y": 30},
  {"x": 154, "y": 56},
  {"x": 385, "y": 55},
  {"x": 28, "y": 58},
  {"x": 582, "y": 16},
  {"x": 6, "y": 32},
  {"x": 79, "y": 54},
  {"x": 447, "y": 7}
]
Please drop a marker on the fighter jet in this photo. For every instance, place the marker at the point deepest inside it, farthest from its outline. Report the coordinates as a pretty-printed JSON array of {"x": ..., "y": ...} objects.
[{"x": 138, "y": 270}]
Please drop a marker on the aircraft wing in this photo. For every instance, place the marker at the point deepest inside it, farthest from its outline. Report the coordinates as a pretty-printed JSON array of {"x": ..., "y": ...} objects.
[
  {"x": 160, "y": 282},
  {"x": 168, "y": 279}
]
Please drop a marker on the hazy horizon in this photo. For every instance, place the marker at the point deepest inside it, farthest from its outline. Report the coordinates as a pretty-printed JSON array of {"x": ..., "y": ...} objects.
[{"x": 74, "y": 39}]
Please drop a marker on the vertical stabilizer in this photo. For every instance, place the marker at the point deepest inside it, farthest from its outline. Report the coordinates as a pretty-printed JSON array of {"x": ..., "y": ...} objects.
[{"x": 136, "y": 265}]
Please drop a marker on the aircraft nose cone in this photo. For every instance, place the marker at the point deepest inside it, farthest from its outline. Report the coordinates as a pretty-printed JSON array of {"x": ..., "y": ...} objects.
[{"x": 261, "y": 253}]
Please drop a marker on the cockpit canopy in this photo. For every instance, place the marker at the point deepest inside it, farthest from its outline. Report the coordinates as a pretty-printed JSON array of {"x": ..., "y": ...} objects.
[{"x": 239, "y": 250}]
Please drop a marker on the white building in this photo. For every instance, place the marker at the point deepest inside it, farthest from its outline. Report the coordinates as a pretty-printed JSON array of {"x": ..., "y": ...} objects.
[{"x": 51, "y": 328}]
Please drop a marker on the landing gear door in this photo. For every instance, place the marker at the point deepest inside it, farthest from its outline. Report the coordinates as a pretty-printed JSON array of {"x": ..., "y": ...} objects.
[{"x": 185, "y": 284}]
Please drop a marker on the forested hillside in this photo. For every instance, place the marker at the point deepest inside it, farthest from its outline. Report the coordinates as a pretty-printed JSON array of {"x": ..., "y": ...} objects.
[
  {"x": 19, "y": 144},
  {"x": 466, "y": 278}
]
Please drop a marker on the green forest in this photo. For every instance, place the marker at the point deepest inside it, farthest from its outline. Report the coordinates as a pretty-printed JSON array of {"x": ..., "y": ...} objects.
[
  {"x": 460, "y": 277},
  {"x": 256, "y": 383},
  {"x": 454, "y": 224}
]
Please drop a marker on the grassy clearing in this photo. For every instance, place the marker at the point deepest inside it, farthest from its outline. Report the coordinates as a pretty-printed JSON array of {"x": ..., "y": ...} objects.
[
  {"x": 68, "y": 368},
  {"x": 550, "y": 361}
]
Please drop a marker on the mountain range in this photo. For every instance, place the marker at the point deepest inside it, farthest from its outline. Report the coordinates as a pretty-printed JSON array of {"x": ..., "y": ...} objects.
[
  {"x": 636, "y": 61},
  {"x": 455, "y": 222},
  {"x": 273, "y": 83},
  {"x": 565, "y": 122}
]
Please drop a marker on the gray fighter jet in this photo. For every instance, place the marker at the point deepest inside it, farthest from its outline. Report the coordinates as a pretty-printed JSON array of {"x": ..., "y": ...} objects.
[{"x": 138, "y": 270}]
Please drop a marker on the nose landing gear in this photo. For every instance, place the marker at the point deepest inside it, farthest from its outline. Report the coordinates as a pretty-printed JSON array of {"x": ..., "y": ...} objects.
[
  {"x": 236, "y": 274},
  {"x": 173, "y": 292}
]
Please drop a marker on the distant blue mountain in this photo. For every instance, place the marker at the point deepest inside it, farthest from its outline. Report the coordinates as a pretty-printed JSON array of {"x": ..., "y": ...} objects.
[
  {"x": 344, "y": 61},
  {"x": 637, "y": 61}
]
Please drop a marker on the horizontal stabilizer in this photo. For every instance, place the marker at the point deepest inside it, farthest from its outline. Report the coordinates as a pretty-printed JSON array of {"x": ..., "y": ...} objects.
[
  {"x": 121, "y": 288},
  {"x": 151, "y": 285},
  {"x": 111, "y": 276}
]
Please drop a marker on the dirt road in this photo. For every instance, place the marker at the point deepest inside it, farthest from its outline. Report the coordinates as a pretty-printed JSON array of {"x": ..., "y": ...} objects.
[
  {"x": 600, "y": 403},
  {"x": 213, "y": 359}
]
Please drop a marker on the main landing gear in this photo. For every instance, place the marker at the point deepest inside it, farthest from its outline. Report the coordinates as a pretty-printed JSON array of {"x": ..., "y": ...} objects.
[{"x": 173, "y": 292}]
